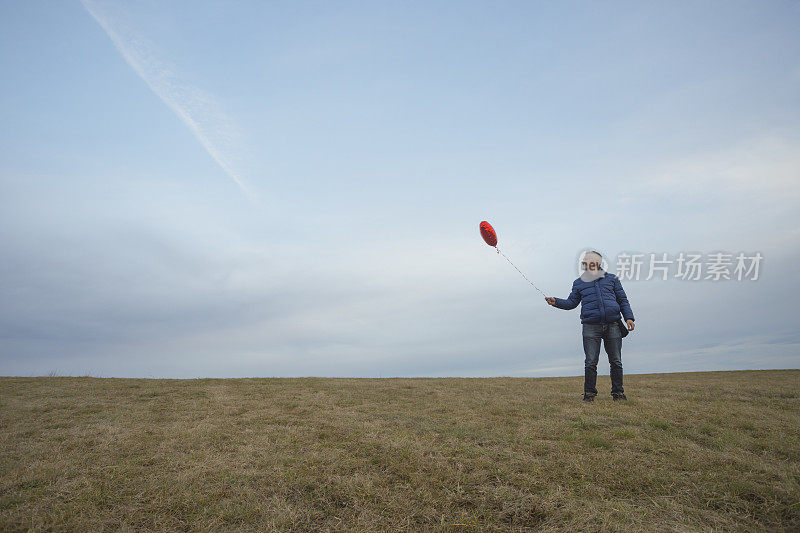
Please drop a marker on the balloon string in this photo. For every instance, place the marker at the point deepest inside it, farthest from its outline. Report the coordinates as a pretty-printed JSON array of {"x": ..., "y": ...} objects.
[{"x": 520, "y": 271}]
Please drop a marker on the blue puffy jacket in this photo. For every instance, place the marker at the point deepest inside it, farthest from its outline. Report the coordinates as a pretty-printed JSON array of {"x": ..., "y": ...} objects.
[{"x": 601, "y": 300}]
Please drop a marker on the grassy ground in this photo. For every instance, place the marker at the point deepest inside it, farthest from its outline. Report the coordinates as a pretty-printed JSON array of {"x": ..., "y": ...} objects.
[{"x": 687, "y": 452}]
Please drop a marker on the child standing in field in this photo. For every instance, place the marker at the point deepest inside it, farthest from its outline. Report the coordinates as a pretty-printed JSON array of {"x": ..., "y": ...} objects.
[{"x": 602, "y": 300}]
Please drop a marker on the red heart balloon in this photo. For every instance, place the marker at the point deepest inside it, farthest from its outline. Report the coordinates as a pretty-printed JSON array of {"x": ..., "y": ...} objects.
[{"x": 488, "y": 234}]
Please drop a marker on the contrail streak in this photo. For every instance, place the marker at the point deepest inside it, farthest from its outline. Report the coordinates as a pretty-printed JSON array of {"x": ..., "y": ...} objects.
[{"x": 195, "y": 108}]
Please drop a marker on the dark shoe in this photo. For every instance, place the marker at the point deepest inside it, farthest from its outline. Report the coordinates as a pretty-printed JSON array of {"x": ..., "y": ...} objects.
[
  {"x": 588, "y": 397},
  {"x": 619, "y": 396}
]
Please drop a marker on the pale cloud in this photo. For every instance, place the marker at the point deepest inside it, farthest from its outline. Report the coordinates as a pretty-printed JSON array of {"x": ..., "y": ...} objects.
[
  {"x": 767, "y": 165},
  {"x": 390, "y": 147},
  {"x": 197, "y": 109}
]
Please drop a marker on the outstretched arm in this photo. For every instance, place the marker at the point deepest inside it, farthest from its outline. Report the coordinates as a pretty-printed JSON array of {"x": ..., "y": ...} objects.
[{"x": 571, "y": 302}]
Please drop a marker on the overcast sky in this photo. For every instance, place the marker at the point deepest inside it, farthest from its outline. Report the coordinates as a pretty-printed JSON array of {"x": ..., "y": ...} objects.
[{"x": 290, "y": 189}]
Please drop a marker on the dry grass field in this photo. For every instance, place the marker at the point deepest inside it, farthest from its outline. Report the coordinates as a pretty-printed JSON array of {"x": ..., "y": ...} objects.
[{"x": 688, "y": 452}]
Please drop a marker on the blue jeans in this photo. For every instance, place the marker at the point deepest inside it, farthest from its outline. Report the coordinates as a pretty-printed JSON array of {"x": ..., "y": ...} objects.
[{"x": 612, "y": 340}]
